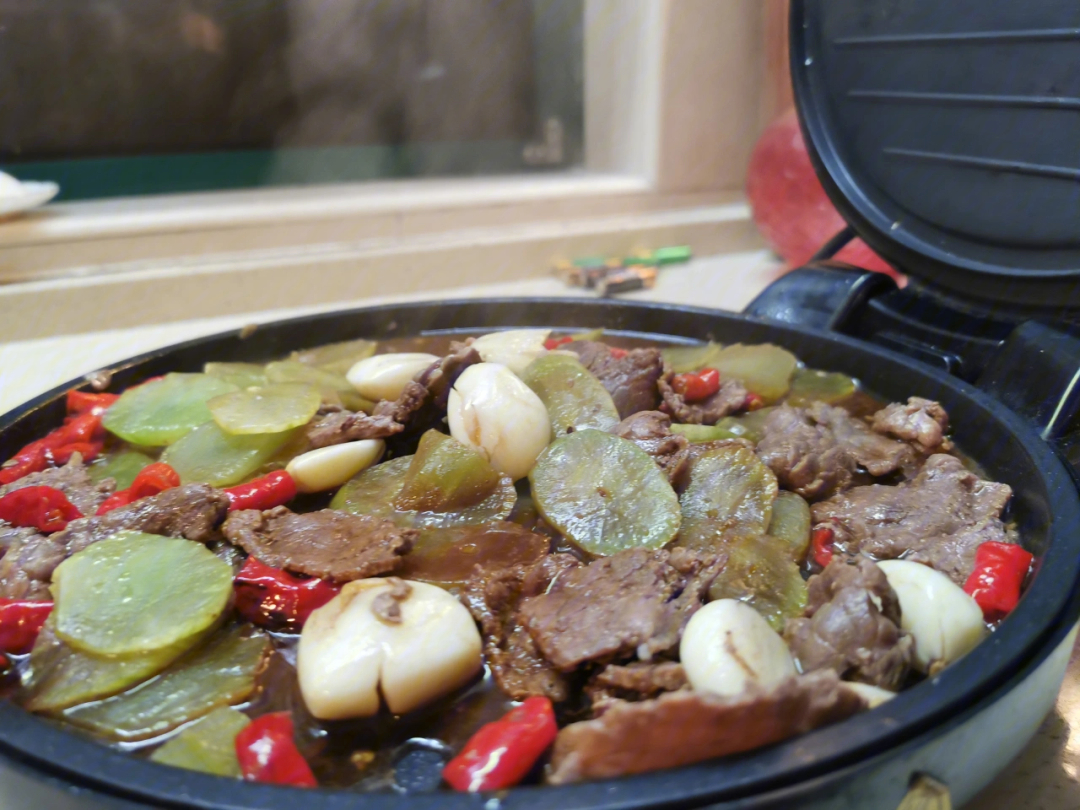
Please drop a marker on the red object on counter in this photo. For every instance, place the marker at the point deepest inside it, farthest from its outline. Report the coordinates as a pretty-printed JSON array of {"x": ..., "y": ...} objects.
[
  {"x": 554, "y": 343},
  {"x": 79, "y": 402},
  {"x": 267, "y": 752},
  {"x": 275, "y": 489},
  {"x": 20, "y": 623},
  {"x": 1000, "y": 569},
  {"x": 821, "y": 545},
  {"x": 152, "y": 479},
  {"x": 80, "y": 433},
  {"x": 46, "y": 509},
  {"x": 500, "y": 754},
  {"x": 270, "y": 597},
  {"x": 696, "y": 386},
  {"x": 789, "y": 204}
]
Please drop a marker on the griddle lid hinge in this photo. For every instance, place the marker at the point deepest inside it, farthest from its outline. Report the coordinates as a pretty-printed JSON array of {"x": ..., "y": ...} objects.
[{"x": 820, "y": 295}]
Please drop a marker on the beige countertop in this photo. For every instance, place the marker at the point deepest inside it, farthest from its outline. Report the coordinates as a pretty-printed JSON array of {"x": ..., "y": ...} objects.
[{"x": 1046, "y": 776}]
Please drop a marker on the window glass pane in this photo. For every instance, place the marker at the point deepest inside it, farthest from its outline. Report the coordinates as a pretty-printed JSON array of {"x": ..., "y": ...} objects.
[{"x": 117, "y": 97}]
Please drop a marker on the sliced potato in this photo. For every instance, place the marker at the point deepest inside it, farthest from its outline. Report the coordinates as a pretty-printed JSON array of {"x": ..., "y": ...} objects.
[
  {"x": 760, "y": 572},
  {"x": 337, "y": 358},
  {"x": 764, "y": 369},
  {"x": 268, "y": 409},
  {"x": 122, "y": 467},
  {"x": 691, "y": 358},
  {"x": 243, "y": 375},
  {"x": 209, "y": 455},
  {"x": 809, "y": 385},
  {"x": 574, "y": 398},
  {"x": 445, "y": 476},
  {"x": 163, "y": 411},
  {"x": 790, "y": 525},
  {"x": 209, "y": 746}
]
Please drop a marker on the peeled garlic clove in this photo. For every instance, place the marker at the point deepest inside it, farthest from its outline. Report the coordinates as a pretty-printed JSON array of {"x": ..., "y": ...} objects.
[
  {"x": 384, "y": 376},
  {"x": 727, "y": 646},
  {"x": 873, "y": 695},
  {"x": 514, "y": 349},
  {"x": 945, "y": 622},
  {"x": 495, "y": 412},
  {"x": 329, "y": 467},
  {"x": 348, "y": 655}
]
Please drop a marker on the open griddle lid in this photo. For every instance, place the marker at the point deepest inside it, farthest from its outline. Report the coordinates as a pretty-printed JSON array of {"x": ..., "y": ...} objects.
[{"x": 948, "y": 135}]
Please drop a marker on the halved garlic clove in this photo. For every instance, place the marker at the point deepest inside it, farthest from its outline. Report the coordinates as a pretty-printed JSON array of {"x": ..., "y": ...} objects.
[
  {"x": 515, "y": 348},
  {"x": 945, "y": 621},
  {"x": 384, "y": 376},
  {"x": 329, "y": 467},
  {"x": 353, "y": 649},
  {"x": 873, "y": 695},
  {"x": 727, "y": 646},
  {"x": 495, "y": 412}
]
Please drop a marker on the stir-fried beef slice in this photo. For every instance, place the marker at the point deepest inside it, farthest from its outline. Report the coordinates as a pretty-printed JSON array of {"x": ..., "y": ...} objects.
[
  {"x": 631, "y": 379},
  {"x": 680, "y": 728},
  {"x": 422, "y": 403},
  {"x": 73, "y": 480},
  {"x": 651, "y": 431},
  {"x": 922, "y": 422},
  {"x": 730, "y": 397},
  {"x": 11, "y": 535},
  {"x": 815, "y": 451},
  {"x": 636, "y": 681},
  {"x": 346, "y": 426},
  {"x": 852, "y": 626},
  {"x": 940, "y": 517},
  {"x": 493, "y": 598},
  {"x": 328, "y": 544},
  {"x": 636, "y": 601},
  {"x": 193, "y": 511}
]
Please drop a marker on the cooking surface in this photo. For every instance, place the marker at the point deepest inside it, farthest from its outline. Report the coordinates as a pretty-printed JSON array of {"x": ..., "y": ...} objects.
[{"x": 1044, "y": 776}]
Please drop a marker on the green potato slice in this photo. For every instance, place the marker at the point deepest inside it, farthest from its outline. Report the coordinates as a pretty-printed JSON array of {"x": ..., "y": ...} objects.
[
  {"x": 749, "y": 426},
  {"x": 790, "y": 525},
  {"x": 809, "y": 385},
  {"x": 59, "y": 676},
  {"x": 133, "y": 593},
  {"x": 764, "y": 369},
  {"x": 444, "y": 476},
  {"x": 220, "y": 673},
  {"x": 337, "y": 358},
  {"x": 122, "y": 467},
  {"x": 604, "y": 493},
  {"x": 209, "y": 455},
  {"x": 574, "y": 398},
  {"x": 163, "y": 411},
  {"x": 269, "y": 409},
  {"x": 208, "y": 746},
  {"x": 691, "y": 358},
  {"x": 375, "y": 492},
  {"x": 730, "y": 494},
  {"x": 760, "y": 572},
  {"x": 242, "y": 375}
]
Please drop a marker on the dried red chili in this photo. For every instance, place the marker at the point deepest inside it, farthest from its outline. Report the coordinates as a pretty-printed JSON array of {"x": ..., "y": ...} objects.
[
  {"x": 80, "y": 433},
  {"x": 46, "y": 509},
  {"x": 554, "y": 343},
  {"x": 267, "y": 752},
  {"x": 821, "y": 545},
  {"x": 275, "y": 489},
  {"x": 20, "y": 623},
  {"x": 270, "y": 597},
  {"x": 79, "y": 402},
  {"x": 500, "y": 754},
  {"x": 1000, "y": 569},
  {"x": 153, "y": 479},
  {"x": 696, "y": 386}
]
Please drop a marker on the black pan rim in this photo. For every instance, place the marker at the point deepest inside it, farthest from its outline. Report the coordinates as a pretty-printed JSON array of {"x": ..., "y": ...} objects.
[{"x": 61, "y": 754}]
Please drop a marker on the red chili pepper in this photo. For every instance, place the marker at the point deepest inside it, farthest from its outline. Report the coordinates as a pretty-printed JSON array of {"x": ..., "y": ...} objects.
[
  {"x": 20, "y": 623},
  {"x": 618, "y": 353},
  {"x": 554, "y": 343},
  {"x": 86, "y": 402},
  {"x": 753, "y": 402},
  {"x": 46, "y": 509},
  {"x": 821, "y": 542},
  {"x": 270, "y": 597},
  {"x": 1000, "y": 569},
  {"x": 500, "y": 754},
  {"x": 152, "y": 479},
  {"x": 696, "y": 386},
  {"x": 267, "y": 752},
  {"x": 4, "y": 663},
  {"x": 275, "y": 489},
  {"x": 81, "y": 433}
]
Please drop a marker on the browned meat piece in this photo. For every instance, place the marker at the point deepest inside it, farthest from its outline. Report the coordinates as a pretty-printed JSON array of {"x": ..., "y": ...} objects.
[
  {"x": 11, "y": 535},
  {"x": 940, "y": 517},
  {"x": 193, "y": 511},
  {"x": 635, "y": 601},
  {"x": 731, "y": 397},
  {"x": 71, "y": 479},
  {"x": 630, "y": 379},
  {"x": 815, "y": 451},
  {"x": 852, "y": 626},
  {"x": 346, "y": 426},
  {"x": 637, "y": 681},
  {"x": 422, "y": 403},
  {"x": 651, "y": 431},
  {"x": 493, "y": 598},
  {"x": 922, "y": 422},
  {"x": 680, "y": 728},
  {"x": 328, "y": 544}
]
